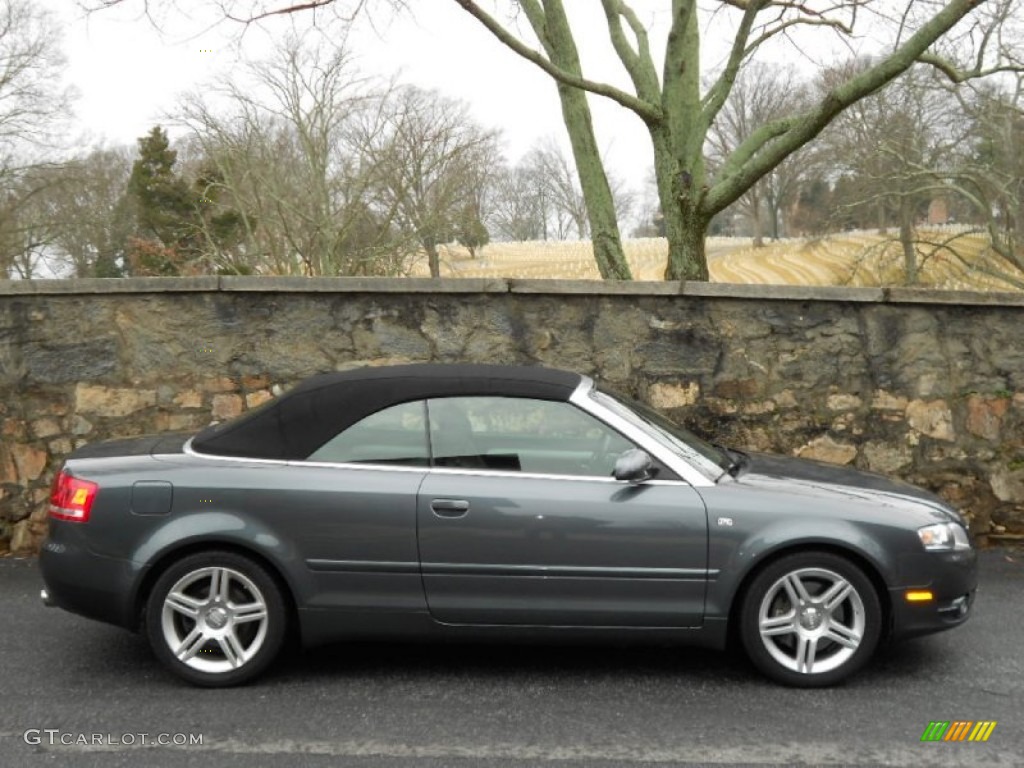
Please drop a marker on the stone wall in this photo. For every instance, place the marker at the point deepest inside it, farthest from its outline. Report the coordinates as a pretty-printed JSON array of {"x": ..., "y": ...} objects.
[{"x": 924, "y": 385}]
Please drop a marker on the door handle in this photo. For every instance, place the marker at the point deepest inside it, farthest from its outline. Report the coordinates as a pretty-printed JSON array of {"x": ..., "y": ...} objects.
[{"x": 449, "y": 507}]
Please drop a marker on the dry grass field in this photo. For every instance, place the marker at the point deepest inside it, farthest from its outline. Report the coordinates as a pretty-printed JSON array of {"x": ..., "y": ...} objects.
[{"x": 859, "y": 259}]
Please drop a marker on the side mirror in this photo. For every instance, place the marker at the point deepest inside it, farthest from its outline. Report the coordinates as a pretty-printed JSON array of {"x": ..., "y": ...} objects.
[{"x": 634, "y": 467}]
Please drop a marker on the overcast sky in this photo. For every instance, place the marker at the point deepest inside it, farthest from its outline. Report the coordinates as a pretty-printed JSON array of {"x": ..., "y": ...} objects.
[{"x": 129, "y": 72}]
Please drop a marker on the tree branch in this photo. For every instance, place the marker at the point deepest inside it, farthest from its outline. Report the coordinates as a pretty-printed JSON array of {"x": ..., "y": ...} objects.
[
  {"x": 766, "y": 149},
  {"x": 719, "y": 92},
  {"x": 769, "y": 34},
  {"x": 638, "y": 63},
  {"x": 957, "y": 75},
  {"x": 641, "y": 107},
  {"x": 309, "y": 6}
]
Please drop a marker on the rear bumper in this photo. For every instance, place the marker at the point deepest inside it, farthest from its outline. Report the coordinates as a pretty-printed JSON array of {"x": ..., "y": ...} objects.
[
  {"x": 952, "y": 577},
  {"x": 85, "y": 583}
]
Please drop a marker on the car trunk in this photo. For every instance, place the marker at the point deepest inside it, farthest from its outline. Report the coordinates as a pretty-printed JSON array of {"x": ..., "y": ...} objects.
[{"x": 133, "y": 446}]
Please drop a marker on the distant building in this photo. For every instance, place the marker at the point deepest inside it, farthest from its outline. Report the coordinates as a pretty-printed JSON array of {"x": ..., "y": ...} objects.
[{"x": 938, "y": 211}]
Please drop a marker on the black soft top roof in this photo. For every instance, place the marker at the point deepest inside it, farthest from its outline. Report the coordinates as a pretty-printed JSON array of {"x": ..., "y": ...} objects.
[{"x": 298, "y": 422}]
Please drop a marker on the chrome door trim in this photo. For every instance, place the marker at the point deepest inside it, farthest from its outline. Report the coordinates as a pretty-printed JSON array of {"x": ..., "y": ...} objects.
[
  {"x": 565, "y": 571},
  {"x": 362, "y": 566}
]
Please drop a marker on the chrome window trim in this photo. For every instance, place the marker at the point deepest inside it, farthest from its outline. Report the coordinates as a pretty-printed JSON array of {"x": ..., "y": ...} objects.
[
  {"x": 422, "y": 470},
  {"x": 356, "y": 465},
  {"x": 190, "y": 451},
  {"x": 691, "y": 474},
  {"x": 580, "y": 398},
  {"x": 509, "y": 474}
]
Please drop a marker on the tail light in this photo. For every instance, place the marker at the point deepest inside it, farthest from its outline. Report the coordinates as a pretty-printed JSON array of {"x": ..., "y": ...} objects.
[{"x": 71, "y": 498}]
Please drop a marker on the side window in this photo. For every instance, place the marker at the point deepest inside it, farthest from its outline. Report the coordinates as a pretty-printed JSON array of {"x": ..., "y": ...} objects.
[
  {"x": 521, "y": 435},
  {"x": 396, "y": 435}
]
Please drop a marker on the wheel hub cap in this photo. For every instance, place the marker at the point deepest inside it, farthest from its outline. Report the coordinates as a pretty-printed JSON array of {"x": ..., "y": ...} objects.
[
  {"x": 810, "y": 617},
  {"x": 217, "y": 618}
]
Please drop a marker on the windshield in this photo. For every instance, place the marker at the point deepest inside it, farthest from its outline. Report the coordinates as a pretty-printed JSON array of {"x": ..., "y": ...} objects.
[{"x": 679, "y": 438}]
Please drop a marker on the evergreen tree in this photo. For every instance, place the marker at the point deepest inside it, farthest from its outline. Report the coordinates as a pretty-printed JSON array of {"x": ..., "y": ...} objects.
[
  {"x": 167, "y": 238},
  {"x": 470, "y": 231}
]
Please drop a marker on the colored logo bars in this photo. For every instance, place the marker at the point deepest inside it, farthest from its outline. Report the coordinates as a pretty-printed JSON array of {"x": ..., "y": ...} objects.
[{"x": 958, "y": 730}]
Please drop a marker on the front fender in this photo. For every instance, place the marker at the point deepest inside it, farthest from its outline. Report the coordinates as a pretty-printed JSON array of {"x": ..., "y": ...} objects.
[{"x": 735, "y": 557}]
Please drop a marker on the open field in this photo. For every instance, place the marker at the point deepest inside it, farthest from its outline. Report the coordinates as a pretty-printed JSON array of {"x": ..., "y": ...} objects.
[{"x": 856, "y": 258}]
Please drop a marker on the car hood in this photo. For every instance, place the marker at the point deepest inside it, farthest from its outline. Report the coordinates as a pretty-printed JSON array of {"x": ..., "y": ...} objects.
[{"x": 819, "y": 479}]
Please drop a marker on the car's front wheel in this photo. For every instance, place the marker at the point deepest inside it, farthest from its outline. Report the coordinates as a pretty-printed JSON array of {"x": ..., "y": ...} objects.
[
  {"x": 216, "y": 618},
  {"x": 810, "y": 619}
]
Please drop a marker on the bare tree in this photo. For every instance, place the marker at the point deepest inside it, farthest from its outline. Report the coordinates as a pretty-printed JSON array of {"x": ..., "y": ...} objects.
[
  {"x": 762, "y": 93},
  {"x": 961, "y": 38},
  {"x": 518, "y": 208},
  {"x": 32, "y": 101},
  {"x": 285, "y": 153},
  {"x": 990, "y": 176},
  {"x": 897, "y": 145},
  {"x": 32, "y": 107},
  {"x": 543, "y": 195},
  {"x": 558, "y": 185},
  {"x": 427, "y": 161},
  {"x": 84, "y": 206},
  {"x": 25, "y": 234},
  {"x": 551, "y": 26},
  {"x": 679, "y": 114}
]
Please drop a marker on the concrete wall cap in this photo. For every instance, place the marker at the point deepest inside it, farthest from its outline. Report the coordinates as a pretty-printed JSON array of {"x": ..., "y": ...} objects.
[{"x": 550, "y": 287}]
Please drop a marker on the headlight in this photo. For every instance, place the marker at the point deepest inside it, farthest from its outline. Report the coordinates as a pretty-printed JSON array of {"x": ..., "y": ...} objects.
[{"x": 944, "y": 537}]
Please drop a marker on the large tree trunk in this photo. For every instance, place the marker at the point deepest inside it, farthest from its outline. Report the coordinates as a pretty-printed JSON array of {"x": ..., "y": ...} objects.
[
  {"x": 686, "y": 256},
  {"x": 678, "y": 143},
  {"x": 685, "y": 225},
  {"x": 604, "y": 228},
  {"x": 556, "y": 37}
]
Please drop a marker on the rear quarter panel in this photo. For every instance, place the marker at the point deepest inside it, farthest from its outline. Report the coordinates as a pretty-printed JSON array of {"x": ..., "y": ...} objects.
[{"x": 340, "y": 538}]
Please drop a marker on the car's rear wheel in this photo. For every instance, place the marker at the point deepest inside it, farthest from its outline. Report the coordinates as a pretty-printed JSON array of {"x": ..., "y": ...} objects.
[
  {"x": 810, "y": 619},
  {"x": 216, "y": 618}
]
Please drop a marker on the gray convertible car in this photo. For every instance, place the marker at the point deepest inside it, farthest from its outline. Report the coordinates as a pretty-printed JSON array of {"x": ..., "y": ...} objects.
[{"x": 475, "y": 501}]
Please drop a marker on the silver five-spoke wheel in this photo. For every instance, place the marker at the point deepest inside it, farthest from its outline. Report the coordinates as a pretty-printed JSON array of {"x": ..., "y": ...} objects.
[
  {"x": 810, "y": 619},
  {"x": 216, "y": 618}
]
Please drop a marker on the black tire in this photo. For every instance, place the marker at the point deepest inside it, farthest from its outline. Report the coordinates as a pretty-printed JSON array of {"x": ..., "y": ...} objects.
[
  {"x": 225, "y": 623},
  {"x": 837, "y": 634}
]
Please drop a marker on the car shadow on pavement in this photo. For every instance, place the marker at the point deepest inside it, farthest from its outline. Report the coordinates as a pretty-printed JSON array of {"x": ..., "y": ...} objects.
[
  {"x": 493, "y": 661},
  {"x": 692, "y": 666},
  {"x": 505, "y": 663}
]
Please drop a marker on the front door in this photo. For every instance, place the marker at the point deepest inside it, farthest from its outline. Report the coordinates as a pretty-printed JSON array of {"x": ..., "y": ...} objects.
[{"x": 519, "y": 522}]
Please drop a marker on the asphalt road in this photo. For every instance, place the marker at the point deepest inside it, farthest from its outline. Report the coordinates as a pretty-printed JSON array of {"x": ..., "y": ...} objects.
[{"x": 407, "y": 705}]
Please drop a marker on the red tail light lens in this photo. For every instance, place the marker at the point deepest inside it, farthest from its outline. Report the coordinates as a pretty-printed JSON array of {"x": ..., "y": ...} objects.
[{"x": 71, "y": 498}]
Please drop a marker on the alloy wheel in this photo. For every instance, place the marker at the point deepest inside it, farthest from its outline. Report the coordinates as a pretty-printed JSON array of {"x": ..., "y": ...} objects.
[
  {"x": 214, "y": 619},
  {"x": 811, "y": 620}
]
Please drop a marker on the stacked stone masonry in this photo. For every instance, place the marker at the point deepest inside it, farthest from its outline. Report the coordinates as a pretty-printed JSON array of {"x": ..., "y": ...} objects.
[{"x": 922, "y": 385}]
